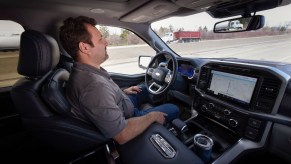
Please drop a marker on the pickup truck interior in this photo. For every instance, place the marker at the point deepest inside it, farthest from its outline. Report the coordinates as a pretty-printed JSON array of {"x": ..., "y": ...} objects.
[{"x": 231, "y": 85}]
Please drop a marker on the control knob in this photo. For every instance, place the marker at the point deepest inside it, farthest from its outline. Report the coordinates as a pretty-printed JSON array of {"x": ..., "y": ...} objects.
[
  {"x": 211, "y": 105},
  {"x": 233, "y": 123},
  {"x": 204, "y": 108},
  {"x": 226, "y": 112}
]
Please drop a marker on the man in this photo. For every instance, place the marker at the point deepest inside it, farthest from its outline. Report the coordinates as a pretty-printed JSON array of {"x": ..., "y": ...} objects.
[{"x": 92, "y": 93}]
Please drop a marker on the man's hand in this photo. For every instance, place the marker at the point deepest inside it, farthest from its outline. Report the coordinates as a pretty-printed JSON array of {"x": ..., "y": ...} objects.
[
  {"x": 132, "y": 90},
  {"x": 137, "y": 125},
  {"x": 158, "y": 117}
]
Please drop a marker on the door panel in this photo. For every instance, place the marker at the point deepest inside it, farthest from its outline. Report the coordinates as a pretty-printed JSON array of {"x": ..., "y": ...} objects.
[
  {"x": 9, "y": 118},
  {"x": 12, "y": 132}
]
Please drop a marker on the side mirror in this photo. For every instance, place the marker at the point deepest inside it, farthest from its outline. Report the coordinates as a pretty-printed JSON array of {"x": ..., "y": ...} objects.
[
  {"x": 240, "y": 24},
  {"x": 144, "y": 61}
]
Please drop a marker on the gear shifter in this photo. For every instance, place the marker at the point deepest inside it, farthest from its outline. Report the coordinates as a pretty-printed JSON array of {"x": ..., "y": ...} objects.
[{"x": 180, "y": 127}]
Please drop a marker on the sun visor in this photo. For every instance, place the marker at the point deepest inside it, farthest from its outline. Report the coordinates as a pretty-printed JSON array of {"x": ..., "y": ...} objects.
[
  {"x": 150, "y": 11},
  {"x": 199, "y": 5}
]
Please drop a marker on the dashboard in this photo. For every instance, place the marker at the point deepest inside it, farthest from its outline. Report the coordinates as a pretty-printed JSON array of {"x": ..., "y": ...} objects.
[
  {"x": 245, "y": 86},
  {"x": 243, "y": 104},
  {"x": 240, "y": 96},
  {"x": 234, "y": 94}
]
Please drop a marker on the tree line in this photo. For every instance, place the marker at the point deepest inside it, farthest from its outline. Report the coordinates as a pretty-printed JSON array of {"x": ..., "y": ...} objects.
[
  {"x": 207, "y": 34},
  {"x": 126, "y": 37}
]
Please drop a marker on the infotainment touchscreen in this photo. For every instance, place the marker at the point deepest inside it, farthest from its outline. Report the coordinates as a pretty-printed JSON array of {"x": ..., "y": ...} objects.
[{"x": 231, "y": 86}]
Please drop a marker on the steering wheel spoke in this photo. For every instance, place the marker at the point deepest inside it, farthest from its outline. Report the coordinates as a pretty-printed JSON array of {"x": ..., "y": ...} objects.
[
  {"x": 150, "y": 71},
  {"x": 168, "y": 77},
  {"x": 164, "y": 64},
  {"x": 155, "y": 88}
]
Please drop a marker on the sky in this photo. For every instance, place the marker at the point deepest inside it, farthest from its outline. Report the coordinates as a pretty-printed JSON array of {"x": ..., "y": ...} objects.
[{"x": 273, "y": 17}]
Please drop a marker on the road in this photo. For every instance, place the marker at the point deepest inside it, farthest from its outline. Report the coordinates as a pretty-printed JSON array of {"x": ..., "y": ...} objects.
[
  {"x": 275, "y": 48},
  {"x": 124, "y": 59}
]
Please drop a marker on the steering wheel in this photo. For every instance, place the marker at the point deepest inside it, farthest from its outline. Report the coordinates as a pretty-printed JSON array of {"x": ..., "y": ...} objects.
[{"x": 161, "y": 73}]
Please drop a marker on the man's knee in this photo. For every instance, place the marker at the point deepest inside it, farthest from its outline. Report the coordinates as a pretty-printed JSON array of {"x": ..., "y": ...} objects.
[
  {"x": 142, "y": 86},
  {"x": 172, "y": 107},
  {"x": 173, "y": 111}
]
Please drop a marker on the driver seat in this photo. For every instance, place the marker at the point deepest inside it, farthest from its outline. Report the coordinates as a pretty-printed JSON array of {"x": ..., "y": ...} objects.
[{"x": 39, "y": 98}]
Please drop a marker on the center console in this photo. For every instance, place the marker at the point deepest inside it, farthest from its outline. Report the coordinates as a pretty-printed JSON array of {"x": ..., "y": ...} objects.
[
  {"x": 232, "y": 101},
  {"x": 229, "y": 93},
  {"x": 156, "y": 145}
]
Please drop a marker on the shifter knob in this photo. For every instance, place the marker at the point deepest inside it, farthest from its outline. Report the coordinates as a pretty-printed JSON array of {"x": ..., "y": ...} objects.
[{"x": 179, "y": 125}]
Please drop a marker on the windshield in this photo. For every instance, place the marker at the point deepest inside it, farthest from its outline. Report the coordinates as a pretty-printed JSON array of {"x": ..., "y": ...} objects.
[{"x": 192, "y": 36}]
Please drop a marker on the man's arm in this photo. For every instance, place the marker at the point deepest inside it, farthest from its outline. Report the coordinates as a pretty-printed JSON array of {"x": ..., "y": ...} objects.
[{"x": 137, "y": 125}]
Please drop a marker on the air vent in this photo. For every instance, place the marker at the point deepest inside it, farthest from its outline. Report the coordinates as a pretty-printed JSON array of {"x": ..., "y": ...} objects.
[
  {"x": 203, "y": 78},
  {"x": 269, "y": 89},
  {"x": 267, "y": 95},
  {"x": 203, "y": 74}
]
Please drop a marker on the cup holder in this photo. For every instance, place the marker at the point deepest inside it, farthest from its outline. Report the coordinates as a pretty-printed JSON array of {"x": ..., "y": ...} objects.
[
  {"x": 203, "y": 146},
  {"x": 217, "y": 148}
]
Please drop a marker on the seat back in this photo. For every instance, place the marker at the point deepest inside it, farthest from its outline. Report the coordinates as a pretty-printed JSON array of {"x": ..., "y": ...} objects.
[
  {"x": 65, "y": 62},
  {"x": 53, "y": 92},
  {"x": 39, "y": 98}
]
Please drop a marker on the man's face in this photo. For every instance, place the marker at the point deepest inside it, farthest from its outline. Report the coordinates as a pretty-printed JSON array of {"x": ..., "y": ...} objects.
[{"x": 99, "y": 50}]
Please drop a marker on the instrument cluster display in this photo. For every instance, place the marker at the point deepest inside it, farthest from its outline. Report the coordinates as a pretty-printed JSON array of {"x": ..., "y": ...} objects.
[{"x": 186, "y": 70}]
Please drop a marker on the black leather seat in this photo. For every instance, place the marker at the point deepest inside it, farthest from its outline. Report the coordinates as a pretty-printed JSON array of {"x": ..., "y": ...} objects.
[
  {"x": 53, "y": 92},
  {"x": 39, "y": 98}
]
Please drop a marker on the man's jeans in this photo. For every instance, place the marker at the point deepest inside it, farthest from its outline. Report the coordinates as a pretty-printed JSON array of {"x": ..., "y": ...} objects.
[{"x": 143, "y": 97}]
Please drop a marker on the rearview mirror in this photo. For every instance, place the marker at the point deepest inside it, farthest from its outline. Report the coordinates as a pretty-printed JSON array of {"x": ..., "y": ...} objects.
[{"x": 239, "y": 24}]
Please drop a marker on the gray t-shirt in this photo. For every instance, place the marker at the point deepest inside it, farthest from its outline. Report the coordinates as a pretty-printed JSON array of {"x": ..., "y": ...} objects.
[{"x": 96, "y": 98}]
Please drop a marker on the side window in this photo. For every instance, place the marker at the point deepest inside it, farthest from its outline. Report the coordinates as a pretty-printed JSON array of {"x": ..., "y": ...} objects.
[
  {"x": 124, "y": 49},
  {"x": 9, "y": 49}
]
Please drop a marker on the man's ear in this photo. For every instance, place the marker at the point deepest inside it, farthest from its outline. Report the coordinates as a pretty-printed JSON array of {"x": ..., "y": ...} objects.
[{"x": 84, "y": 47}]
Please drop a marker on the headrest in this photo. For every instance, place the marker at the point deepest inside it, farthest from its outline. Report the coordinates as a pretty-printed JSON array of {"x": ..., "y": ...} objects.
[{"x": 39, "y": 53}]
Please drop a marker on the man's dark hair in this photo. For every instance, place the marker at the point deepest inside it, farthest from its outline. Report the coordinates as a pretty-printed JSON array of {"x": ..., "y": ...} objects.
[{"x": 73, "y": 32}]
